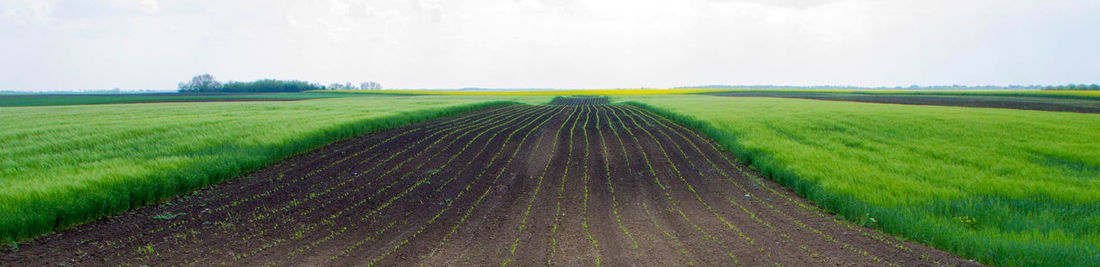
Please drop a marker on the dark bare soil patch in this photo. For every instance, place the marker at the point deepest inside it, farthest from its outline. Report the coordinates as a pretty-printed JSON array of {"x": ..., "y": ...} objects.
[
  {"x": 1079, "y": 105},
  {"x": 524, "y": 185}
]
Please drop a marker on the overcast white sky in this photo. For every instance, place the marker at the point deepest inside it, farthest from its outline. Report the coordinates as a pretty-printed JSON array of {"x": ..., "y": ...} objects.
[{"x": 154, "y": 44}]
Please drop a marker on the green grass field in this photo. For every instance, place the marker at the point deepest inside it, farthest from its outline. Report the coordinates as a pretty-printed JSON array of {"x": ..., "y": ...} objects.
[
  {"x": 1007, "y": 187},
  {"x": 62, "y": 165}
]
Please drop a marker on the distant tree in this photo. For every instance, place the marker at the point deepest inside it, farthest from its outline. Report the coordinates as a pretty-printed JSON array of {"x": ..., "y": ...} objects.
[
  {"x": 1072, "y": 87},
  {"x": 335, "y": 86},
  {"x": 370, "y": 85},
  {"x": 201, "y": 83}
]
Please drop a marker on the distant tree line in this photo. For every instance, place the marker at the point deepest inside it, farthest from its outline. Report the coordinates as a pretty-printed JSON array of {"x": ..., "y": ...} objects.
[
  {"x": 205, "y": 83},
  {"x": 268, "y": 86},
  {"x": 1073, "y": 87}
]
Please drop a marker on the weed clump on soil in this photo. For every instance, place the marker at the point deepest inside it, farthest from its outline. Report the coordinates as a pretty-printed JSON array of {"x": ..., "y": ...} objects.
[{"x": 168, "y": 215}]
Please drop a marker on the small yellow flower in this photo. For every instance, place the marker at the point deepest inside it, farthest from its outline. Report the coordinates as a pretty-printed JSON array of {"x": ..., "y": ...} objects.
[{"x": 966, "y": 220}]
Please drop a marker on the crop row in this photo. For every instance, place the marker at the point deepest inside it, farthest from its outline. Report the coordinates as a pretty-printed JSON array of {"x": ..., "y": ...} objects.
[
  {"x": 464, "y": 148},
  {"x": 474, "y": 181}
]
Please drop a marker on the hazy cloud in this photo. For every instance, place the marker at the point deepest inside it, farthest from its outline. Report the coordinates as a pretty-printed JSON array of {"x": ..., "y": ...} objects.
[{"x": 136, "y": 44}]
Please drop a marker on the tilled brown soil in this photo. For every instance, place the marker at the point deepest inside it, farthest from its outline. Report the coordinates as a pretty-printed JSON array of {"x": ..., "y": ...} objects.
[{"x": 522, "y": 185}]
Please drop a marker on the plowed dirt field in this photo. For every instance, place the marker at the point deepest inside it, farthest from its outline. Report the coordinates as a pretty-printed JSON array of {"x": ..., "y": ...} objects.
[{"x": 557, "y": 184}]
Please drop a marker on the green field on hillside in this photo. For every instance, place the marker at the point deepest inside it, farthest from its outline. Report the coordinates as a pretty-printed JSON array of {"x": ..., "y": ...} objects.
[
  {"x": 1007, "y": 187},
  {"x": 62, "y": 165}
]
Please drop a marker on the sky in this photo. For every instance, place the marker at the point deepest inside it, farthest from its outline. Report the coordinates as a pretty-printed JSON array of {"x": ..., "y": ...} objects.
[{"x": 48, "y": 45}]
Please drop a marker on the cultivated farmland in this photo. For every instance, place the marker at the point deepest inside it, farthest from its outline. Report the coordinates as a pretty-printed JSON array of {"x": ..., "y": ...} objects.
[
  {"x": 1005, "y": 187},
  {"x": 565, "y": 184},
  {"x": 65, "y": 165}
]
